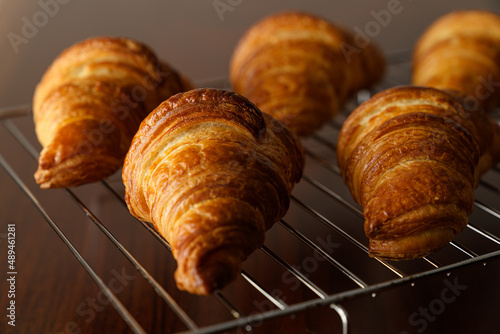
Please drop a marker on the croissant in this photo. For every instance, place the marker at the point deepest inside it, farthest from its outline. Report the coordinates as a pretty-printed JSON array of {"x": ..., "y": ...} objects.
[
  {"x": 301, "y": 68},
  {"x": 461, "y": 51},
  {"x": 212, "y": 174},
  {"x": 411, "y": 157},
  {"x": 89, "y": 104}
]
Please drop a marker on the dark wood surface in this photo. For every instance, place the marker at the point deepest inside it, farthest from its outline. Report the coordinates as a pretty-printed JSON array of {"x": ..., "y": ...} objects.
[{"x": 55, "y": 294}]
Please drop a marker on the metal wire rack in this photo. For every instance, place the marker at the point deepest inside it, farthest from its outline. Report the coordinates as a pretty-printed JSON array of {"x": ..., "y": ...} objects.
[{"x": 323, "y": 225}]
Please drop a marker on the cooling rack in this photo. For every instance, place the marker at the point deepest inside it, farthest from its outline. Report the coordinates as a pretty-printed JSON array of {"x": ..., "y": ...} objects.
[{"x": 323, "y": 230}]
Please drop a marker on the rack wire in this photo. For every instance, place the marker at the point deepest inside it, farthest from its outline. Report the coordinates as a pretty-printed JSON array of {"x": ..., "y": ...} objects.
[{"x": 321, "y": 208}]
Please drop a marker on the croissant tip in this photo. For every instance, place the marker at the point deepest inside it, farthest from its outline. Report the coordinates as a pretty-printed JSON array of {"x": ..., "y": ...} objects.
[
  {"x": 413, "y": 246},
  {"x": 213, "y": 279},
  {"x": 212, "y": 275},
  {"x": 43, "y": 179}
]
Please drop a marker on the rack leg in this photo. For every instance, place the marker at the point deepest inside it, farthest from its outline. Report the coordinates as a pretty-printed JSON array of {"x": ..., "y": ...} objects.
[{"x": 343, "y": 316}]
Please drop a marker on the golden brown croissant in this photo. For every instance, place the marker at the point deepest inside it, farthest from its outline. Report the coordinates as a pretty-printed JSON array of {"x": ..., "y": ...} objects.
[
  {"x": 461, "y": 51},
  {"x": 300, "y": 68},
  {"x": 212, "y": 173},
  {"x": 411, "y": 157},
  {"x": 89, "y": 104}
]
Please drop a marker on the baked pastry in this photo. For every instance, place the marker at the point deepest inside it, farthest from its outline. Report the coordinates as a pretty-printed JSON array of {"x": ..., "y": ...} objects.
[
  {"x": 461, "y": 51},
  {"x": 301, "y": 68},
  {"x": 412, "y": 157},
  {"x": 89, "y": 104},
  {"x": 212, "y": 174}
]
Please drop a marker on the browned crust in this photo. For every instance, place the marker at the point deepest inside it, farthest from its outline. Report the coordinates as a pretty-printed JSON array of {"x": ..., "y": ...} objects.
[
  {"x": 212, "y": 173},
  {"x": 294, "y": 66},
  {"x": 411, "y": 157},
  {"x": 461, "y": 51},
  {"x": 89, "y": 104}
]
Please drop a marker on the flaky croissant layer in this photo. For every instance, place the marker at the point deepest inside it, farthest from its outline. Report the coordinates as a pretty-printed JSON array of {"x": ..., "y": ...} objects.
[
  {"x": 461, "y": 51},
  {"x": 89, "y": 104},
  {"x": 212, "y": 173},
  {"x": 411, "y": 157},
  {"x": 301, "y": 68}
]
